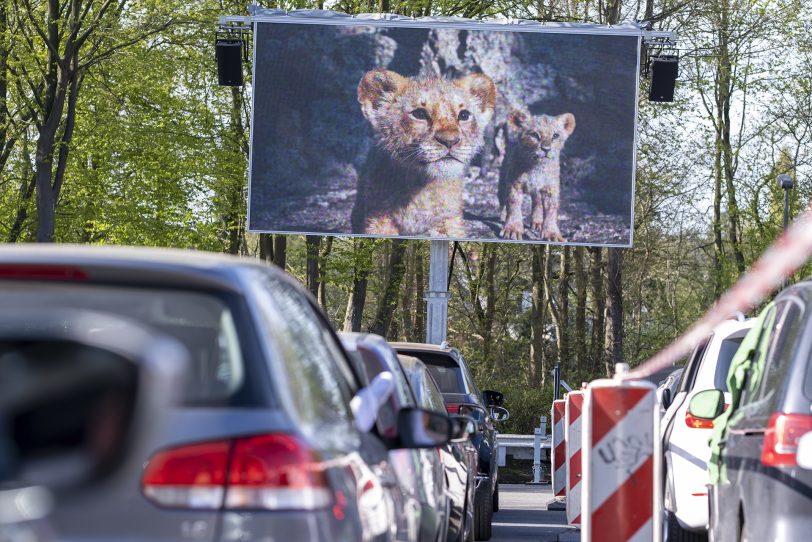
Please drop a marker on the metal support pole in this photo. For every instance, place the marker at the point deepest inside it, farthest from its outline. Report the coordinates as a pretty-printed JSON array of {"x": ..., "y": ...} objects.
[
  {"x": 437, "y": 296},
  {"x": 557, "y": 382},
  {"x": 537, "y": 455},
  {"x": 786, "y": 183}
]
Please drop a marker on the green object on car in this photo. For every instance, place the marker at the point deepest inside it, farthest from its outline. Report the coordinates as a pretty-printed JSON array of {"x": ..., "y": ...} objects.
[{"x": 745, "y": 369}]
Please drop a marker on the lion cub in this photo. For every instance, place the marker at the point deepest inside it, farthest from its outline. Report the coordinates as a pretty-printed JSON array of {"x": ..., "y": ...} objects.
[
  {"x": 532, "y": 165},
  {"x": 427, "y": 132}
]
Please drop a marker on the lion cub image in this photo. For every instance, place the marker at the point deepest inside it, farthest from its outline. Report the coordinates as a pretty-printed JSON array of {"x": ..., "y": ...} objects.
[
  {"x": 532, "y": 165},
  {"x": 427, "y": 132}
]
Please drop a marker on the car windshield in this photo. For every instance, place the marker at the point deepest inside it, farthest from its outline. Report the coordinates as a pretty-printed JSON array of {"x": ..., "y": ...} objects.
[
  {"x": 203, "y": 323},
  {"x": 726, "y": 352}
]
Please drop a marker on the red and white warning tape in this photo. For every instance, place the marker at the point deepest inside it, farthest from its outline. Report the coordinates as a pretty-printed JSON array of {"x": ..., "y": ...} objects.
[
  {"x": 559, "y": 451},
  {"x": 574, "y": 407},
  {"x": 778, "y": 262}
]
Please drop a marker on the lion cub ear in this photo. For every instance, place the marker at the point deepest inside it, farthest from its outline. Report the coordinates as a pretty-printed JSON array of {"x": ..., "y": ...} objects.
[
  {"x": 568, "y": 122},
  {"x": 516, "y": 119},
  {"x": 481, "y": 87},
  {"x": 376, "y": 88}
]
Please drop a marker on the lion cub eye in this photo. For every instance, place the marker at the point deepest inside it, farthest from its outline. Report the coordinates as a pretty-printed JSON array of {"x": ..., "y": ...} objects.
[
  {"x": 555, "y": 135},
  {"x": 535, "y": 135},
  {"x": 420, "y": 114},
  {"x": 464, "y": 115}
]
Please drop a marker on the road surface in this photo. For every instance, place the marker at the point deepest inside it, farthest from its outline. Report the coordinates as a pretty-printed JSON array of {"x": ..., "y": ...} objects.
[{"x": 523, "y": 516}]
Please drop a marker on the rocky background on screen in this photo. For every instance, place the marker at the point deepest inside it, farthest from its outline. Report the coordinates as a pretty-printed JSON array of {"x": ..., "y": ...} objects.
[{"x": 310, "y": 136}]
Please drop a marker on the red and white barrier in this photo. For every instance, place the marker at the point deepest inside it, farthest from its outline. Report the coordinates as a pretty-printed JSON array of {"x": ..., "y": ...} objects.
[
  {"x": 621, "y": 500},
  {"x": 558, "y": 451},
  {"x": 573, "y": 423}
]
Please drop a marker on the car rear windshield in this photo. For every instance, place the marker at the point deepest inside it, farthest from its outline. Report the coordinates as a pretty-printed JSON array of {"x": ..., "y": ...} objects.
[
  {"x": 727, "y": 350},
  {"x": 447, "y": 374},
  {"x": 202, "y": 322}
]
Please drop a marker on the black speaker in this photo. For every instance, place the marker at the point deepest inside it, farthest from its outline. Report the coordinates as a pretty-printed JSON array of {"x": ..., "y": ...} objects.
[
  {"x": 229, "y": 62},
  {"x": 664, "y": 71}
]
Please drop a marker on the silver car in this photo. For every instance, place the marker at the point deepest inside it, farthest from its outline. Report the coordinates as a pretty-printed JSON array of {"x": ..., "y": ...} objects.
[{"x": 265, "y": 446}]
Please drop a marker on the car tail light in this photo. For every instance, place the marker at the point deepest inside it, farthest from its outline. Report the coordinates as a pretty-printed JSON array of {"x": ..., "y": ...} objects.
[
  {"x": 266, "y": 472},
  {"x": 700, "y": 423},
  {"x": 42, "y": 272},
  {"x": 452, "y": 408},
  {"x": 781, "y": 438}
]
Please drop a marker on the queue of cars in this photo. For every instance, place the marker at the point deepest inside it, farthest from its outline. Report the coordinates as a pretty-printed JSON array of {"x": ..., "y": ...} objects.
[
  {"x": 283, "y": 427},
  {"x": 738, "y": 434}
]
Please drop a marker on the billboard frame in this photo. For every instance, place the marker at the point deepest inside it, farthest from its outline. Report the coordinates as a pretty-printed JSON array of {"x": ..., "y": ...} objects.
[{"x": 387, "y": 20}]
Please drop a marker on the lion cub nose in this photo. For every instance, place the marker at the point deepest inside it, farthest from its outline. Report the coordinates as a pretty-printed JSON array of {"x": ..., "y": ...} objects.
[{"x": 449, "y": 138}]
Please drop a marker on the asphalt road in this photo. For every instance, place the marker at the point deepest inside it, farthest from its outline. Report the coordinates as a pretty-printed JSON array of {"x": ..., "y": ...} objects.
[{"x": 523, "y": 516}]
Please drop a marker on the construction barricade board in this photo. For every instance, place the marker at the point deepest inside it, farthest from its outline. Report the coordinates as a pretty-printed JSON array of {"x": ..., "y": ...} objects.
[
  {"x": 572, "y": 436},
  {"x": 620, "y": 497},
  {"x": 558, "y": 451}
]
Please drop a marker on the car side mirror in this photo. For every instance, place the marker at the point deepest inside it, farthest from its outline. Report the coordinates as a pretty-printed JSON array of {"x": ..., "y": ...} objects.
[
  {"x": 464, "y": 428},
  {"x": 707, "y": 404},
  {"x": 665, "y": 398},
  {"x": 420, "y": 428},
  {"x": 368, "y": 401},
  {"x": 493, "y": 398},
  {"x": 804, "y": 454},
  {"x": 500, "y": 414}
]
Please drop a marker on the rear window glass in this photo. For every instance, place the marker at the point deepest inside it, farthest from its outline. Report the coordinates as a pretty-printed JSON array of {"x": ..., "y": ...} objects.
[
  {"x": 202, "y": 322},
  {"x": 447, "y": 374},
  {"x": 727, "y": 350}
]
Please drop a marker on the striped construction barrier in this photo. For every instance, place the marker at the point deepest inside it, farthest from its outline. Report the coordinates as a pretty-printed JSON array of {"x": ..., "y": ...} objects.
[
  {"x": 621, "y": 463},
  {"x": 572, "y": 437},
  {"x": 558, "y": 451}
]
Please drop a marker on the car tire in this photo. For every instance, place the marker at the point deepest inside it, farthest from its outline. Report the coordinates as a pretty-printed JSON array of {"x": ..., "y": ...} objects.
[
  {"x": 483, "y": 516},
  {"x": 496, "y": 499},
  {"x": 677, "y": 534}
]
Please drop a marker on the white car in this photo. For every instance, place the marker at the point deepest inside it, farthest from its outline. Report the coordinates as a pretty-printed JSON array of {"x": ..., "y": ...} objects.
[{"x": 685, "y": 438}]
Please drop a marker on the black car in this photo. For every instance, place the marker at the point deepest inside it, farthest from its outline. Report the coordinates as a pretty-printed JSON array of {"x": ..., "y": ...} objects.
[{"x": 462, "y": 396}]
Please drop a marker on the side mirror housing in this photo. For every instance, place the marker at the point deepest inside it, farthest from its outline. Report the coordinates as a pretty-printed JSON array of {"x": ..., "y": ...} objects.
[
  {"x": 493, "y": 398},
  {"x": 707, "y": 404},
  {"x": 804, "y": 453},
  {"x": 665, "y": 398},
  {"x": 464, "y": 428},
  {"x": 420, "y": 428},
  {"x": 500, "y": 414},
  {"x": 368, "y": 401}
]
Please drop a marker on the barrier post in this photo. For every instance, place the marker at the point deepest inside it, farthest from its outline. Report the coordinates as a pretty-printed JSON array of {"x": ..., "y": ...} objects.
[
  {"x": 620, "y": 498},
  {"x": 558, "y": 451},
  {"x": 573, "y": 407}
]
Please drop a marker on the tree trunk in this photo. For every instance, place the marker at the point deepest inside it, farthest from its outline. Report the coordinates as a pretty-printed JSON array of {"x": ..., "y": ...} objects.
[
  {"x": 599, "y": 315},
  {"x": 394, "y": 273},
  {"x": 325, "y": 255},
  {"x": 280, "y": 251},
  {"x": 490, "y": 306},
  {"x": 580, "y": 310},
  {"x": 538, "y": 362},
  {"x": 419, "y": 333},
  {"x": 407, "y": 294},
  {"x": 614, "y": 351},
  {"x": 312, "y": 246},
  {"x": 564, "y": 308}
]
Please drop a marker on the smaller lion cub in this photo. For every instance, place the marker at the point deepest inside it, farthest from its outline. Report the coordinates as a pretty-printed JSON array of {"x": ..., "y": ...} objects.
[
  {"x": 427, "y": 130},
  {"x": 532, "y": 165}
]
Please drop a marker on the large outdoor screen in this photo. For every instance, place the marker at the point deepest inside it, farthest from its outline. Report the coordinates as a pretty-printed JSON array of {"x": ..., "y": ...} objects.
[{"x": 443, "y": 130}]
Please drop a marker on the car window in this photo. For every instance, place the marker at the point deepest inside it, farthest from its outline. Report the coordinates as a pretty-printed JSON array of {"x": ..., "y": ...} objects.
[
  {"x": 727, "y": 350},
  {"x": 779, "y": 356},
  {"x": 752, "y": 383},
  {"x": 447, "y": 374},
  {"x": 686, "y": 383},
  {"x": 317, "y": 382},
  {"x": 434, "y": 399},
  {"x": 207, "y": 324}
]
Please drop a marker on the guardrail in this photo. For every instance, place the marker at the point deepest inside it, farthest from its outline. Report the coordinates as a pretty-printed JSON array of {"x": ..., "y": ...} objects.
[{"x": 526, "y": 447}]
